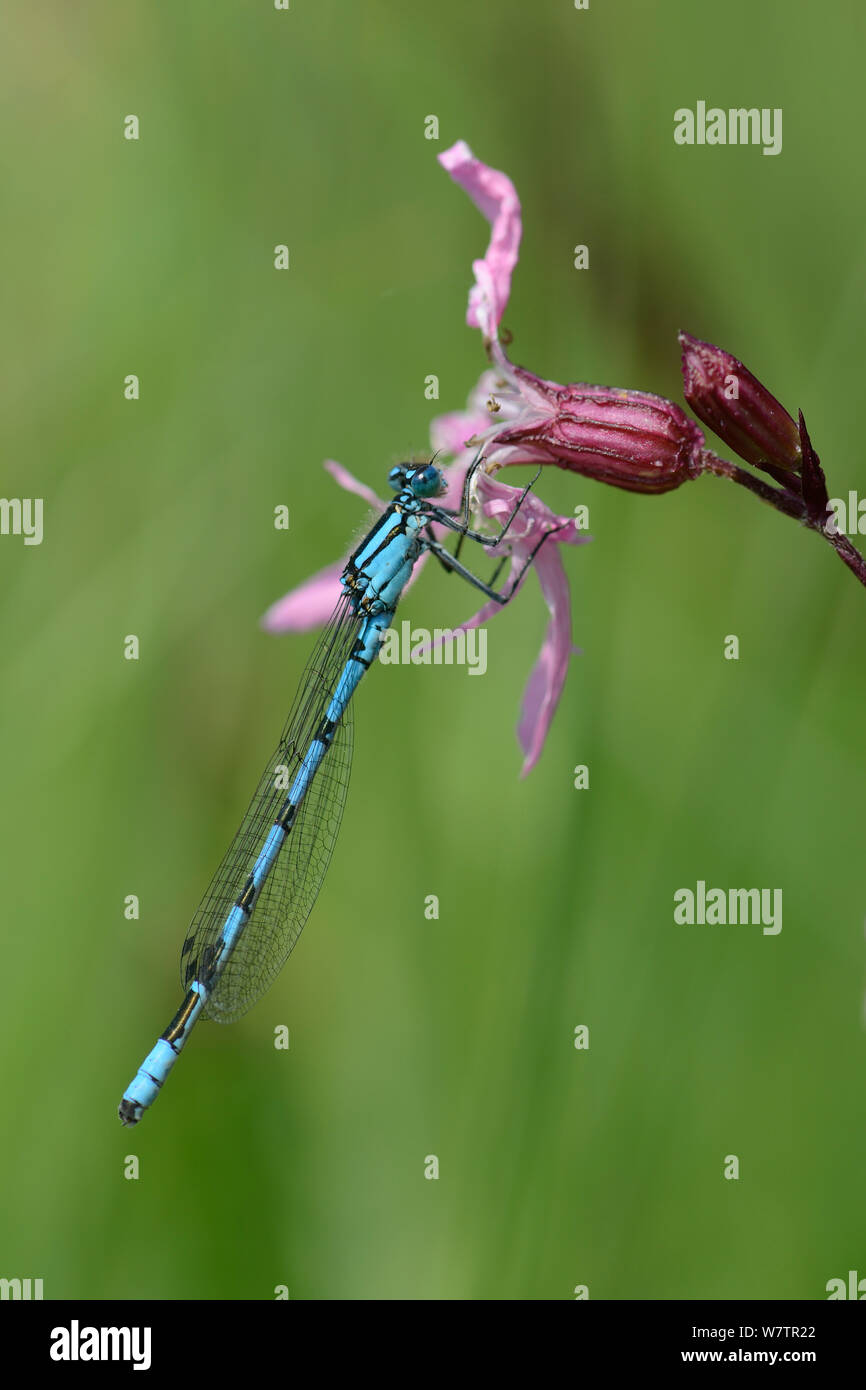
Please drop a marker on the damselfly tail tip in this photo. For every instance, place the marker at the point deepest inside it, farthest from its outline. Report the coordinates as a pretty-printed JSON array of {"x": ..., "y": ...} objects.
[{"x": 130, "y": 1113}]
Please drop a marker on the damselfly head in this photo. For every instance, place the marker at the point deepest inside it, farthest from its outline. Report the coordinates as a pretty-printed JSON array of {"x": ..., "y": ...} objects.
[{"x": 424, "y": 480}]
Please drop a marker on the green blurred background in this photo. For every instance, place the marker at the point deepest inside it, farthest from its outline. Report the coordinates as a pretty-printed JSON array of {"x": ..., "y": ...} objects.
[{"x": 261, "y": 1168}]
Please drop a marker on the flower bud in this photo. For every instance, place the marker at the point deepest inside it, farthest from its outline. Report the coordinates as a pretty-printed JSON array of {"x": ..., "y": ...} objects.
[
  {"x": 738, "y": 408},
  {"x": 631, "y": 439}
]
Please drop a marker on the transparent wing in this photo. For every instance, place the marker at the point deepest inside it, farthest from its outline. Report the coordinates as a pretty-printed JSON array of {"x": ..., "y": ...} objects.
[{"x": 292, "y": 886}]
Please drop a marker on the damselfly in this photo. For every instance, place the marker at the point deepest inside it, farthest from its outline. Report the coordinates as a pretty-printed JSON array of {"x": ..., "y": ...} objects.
[{"x": 262, "y": 894}]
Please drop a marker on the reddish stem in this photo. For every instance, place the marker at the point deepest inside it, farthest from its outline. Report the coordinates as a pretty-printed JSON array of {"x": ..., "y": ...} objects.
[{"x": 788, "y": 502}]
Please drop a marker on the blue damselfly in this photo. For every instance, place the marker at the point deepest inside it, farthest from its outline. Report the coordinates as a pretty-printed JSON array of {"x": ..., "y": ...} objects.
[{"x": 262, "y": 894}]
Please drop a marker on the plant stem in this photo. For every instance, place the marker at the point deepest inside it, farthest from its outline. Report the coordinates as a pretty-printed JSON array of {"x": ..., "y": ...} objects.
[
  {"x": 848, "y": 554},
  {"x": 790, "y": 504},
  {"x": 781, "y": 499}
]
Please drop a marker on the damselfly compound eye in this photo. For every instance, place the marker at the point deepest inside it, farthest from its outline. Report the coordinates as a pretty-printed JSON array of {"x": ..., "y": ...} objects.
[{"x": 428, "y": 482}]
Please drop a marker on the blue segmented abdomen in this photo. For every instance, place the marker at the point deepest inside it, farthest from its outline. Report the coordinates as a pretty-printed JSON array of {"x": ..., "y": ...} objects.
[
  {"x": 260, "y": 897},
  {"x": 271, "y": 900}
]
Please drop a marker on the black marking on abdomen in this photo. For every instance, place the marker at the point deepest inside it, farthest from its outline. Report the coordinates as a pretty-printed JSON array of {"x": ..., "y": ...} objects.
[
  {"x": 248, "y": 896},
  {"x": 207, "y": 964},
  {"x": 178, "y": 1023},
  {"x": 286, "y": 818},
  {"x": 355, "y": 654},
  {"x": 325, "y": 731}
]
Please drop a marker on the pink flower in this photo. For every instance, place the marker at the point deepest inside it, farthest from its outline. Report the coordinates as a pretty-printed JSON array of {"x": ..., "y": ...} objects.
[
  {"x": 547, "y": 678},
  {"x": 631, "y": 439},
  {"x": 505, "y": 399},
  {"x": 494, "y": 195}
]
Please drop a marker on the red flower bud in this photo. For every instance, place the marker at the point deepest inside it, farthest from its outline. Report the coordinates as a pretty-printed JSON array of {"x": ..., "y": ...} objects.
[{"x": 738, "y": 408}]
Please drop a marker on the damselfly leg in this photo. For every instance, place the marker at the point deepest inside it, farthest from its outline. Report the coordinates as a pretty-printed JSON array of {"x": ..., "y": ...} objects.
[
  {"x": 459, "y": 523},
  {"x": 451, "y": 562}
]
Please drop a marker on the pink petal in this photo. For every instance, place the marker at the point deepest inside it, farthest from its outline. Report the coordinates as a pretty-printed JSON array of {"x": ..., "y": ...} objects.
[
  {"x": 494, "y": 195},
  {"x": 312, "y": 603},
  {"x": 309, "y": 605},
  {"x": 547, "y": 678},
  {"x": 483, "y": 615},
  {"x": 450, "y": 432},
  {"x": 351, "y": 484},
  {"x": 498, "y": 501}
]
